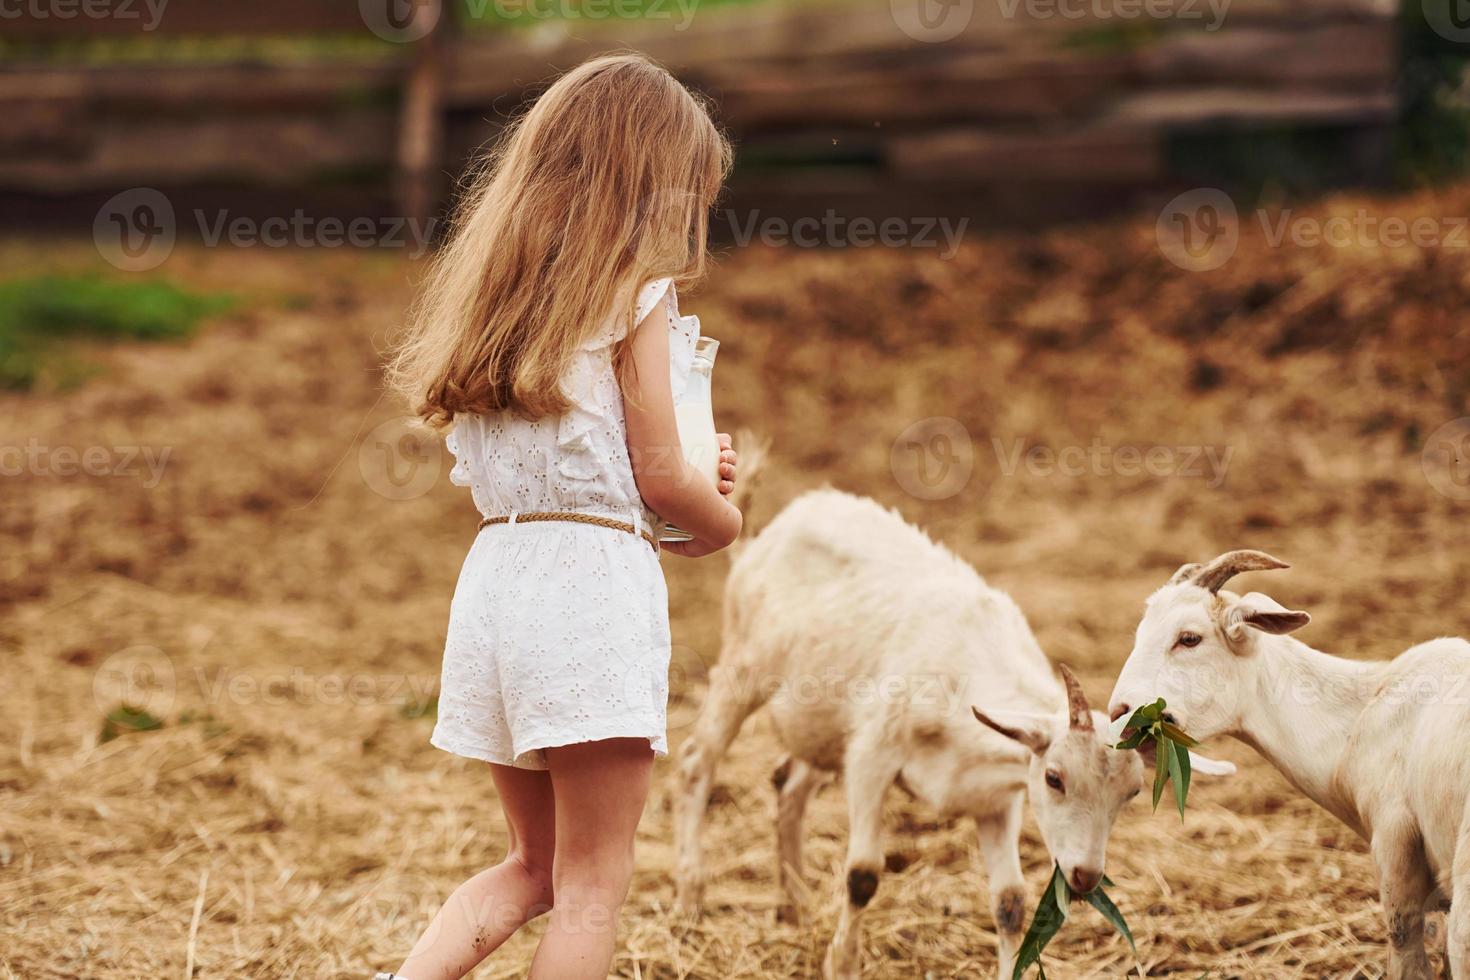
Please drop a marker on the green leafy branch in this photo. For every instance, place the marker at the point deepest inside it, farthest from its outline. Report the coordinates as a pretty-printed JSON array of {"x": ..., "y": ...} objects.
[
  {"x": 1171, "y": 745},
  {"x": 1171, "y": 750},
  {"x": 1051, "y": 912}
]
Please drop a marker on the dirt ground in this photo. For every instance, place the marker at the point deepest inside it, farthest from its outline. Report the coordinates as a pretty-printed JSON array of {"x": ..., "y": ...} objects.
[{"x": 278, "y": 594}]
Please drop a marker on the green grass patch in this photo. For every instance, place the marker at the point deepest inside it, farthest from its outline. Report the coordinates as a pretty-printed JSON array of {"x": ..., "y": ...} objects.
[
  {"x": 1120, "y": 38},
  {"x": 421, "y": 708},
  {"x": 144, "y": 48},
  {"x": 517, "y": 14},
  {"x": 125, "y": 719},
  {"x": 128, "y": 719},
  {"x": 43, "y": 318},
  {"x": 165, "y": 49}
]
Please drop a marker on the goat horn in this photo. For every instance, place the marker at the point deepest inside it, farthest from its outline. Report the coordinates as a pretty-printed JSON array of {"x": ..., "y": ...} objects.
[
  {"x": 1231, "y": 564},
  {"x": 1079, "y": 713}
]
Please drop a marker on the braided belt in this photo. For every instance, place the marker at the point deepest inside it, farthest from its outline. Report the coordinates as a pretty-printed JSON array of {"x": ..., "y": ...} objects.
[{"x": 610, "y": 523}]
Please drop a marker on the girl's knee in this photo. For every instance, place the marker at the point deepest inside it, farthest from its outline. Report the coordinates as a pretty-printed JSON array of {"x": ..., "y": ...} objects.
[
  {"x": 603, "y": 880},
  {"x": 589, "y": 894},
  {"x": 589, "y": 907}
]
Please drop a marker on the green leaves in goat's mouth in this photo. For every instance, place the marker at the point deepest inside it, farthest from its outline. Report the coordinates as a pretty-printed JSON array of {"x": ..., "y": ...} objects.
[
  {"x": 1171, "y": 758},
  {"x": 1171, "y": 750},
  {"x": 1051, "y": 912}
]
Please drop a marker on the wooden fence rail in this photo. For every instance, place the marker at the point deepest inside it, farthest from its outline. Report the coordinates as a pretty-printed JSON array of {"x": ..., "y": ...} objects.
[{"x": 830, "y": 93}]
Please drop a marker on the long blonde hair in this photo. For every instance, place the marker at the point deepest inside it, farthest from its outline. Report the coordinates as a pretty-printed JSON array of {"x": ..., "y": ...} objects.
[{"x": 605, "y": 183}]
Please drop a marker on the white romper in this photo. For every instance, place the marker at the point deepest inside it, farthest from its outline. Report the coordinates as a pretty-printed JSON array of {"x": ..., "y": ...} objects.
[{"x": 559, "y": 632}]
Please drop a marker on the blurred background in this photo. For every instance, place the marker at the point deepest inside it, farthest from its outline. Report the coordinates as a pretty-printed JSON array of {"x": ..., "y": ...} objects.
[
  {"x": 1009, "y": 110},
  {"x": 1088, "y": 288}
]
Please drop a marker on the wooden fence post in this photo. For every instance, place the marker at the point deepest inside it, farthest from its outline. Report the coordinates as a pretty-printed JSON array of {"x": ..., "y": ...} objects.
[{"x": 421, "y": 124}]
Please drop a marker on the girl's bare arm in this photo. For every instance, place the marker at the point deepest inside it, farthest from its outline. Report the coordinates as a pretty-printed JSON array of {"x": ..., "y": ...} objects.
[{"x": 667, "y": 483}]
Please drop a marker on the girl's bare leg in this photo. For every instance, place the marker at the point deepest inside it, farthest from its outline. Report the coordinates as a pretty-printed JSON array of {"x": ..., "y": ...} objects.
[
  {"x": 483, "y": 912},
  {"x": 600, "y": 788}
]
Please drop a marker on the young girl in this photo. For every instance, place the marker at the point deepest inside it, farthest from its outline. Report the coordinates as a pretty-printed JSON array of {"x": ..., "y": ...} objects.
[{"x": 550, "y": 339}]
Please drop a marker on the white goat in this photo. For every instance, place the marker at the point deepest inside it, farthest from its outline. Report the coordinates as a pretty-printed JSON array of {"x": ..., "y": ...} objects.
[
  {"x": 1380, "y": 745},
  {"x": 871, "y": 643}
]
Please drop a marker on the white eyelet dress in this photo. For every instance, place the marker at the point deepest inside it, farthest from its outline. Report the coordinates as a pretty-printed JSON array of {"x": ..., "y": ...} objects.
[{"x": 559, "y": 632}]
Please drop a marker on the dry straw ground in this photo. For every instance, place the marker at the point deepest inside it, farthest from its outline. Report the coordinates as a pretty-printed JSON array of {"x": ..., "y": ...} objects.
[{"x": 290, "y": 819}]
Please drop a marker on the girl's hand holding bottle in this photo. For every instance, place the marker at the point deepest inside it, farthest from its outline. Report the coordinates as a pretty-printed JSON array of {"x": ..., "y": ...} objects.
[
  {"x": 726, "y": 486},
  {"x": 728, "y": 461},
  {"x": 668, "y": 484}
]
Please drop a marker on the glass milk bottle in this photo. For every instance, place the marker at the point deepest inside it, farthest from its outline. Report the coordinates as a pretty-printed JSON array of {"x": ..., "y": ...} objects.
[{"x": 695, "y": 417}]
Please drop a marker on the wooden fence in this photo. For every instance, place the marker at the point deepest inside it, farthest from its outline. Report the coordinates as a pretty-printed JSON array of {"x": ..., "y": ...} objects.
[{"x": 833, "y": 98}]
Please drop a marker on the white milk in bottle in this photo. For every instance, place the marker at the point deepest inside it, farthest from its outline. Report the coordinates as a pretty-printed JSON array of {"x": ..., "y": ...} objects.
[{"x": 695, "y": 417}]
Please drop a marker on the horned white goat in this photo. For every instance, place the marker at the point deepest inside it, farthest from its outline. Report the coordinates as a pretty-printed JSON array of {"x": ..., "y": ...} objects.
[
  {"x": 1381, "y": 745},
  {"x": 870, "y": 644}
]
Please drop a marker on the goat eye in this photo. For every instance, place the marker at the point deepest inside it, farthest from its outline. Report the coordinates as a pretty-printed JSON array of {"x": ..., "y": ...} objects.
[
  {"x": 1190, "y": 639},
  {"x": 1054, "y": 780}
]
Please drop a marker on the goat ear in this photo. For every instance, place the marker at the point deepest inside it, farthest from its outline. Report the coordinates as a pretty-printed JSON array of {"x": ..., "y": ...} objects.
[
  {"x": 1263, "y": 613},
  {"x": 1032, "y": 731}
]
